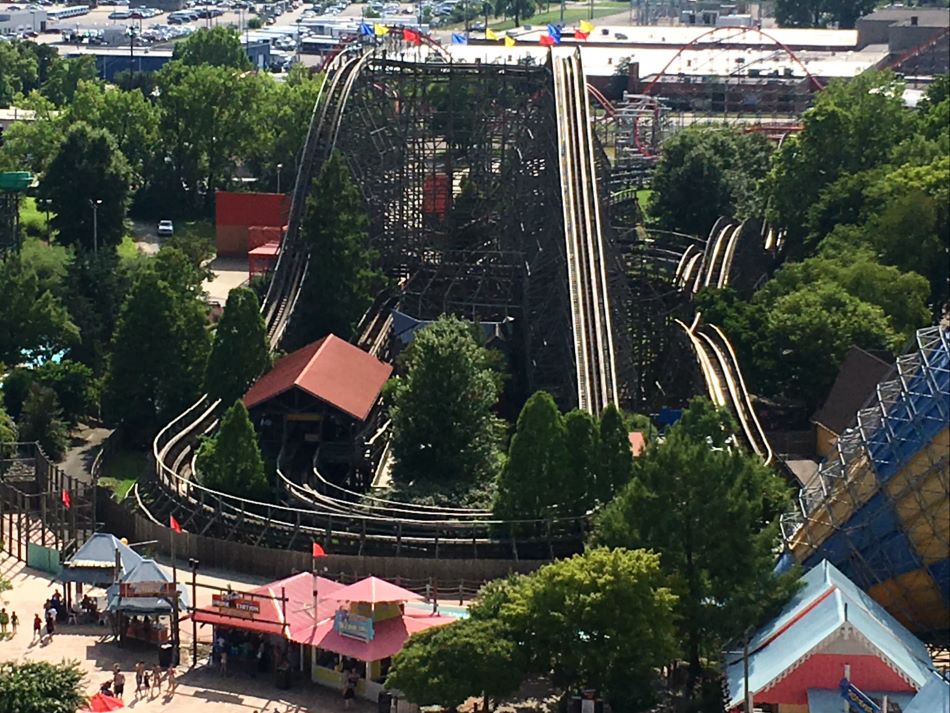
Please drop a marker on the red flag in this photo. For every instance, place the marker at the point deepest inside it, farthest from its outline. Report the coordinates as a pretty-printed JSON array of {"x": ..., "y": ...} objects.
[
  {"x": 547, "y": 41},
  {"x": 173, "y": 524},
  {"x": 411, "y": 36},
  {"x": 318, "y": 551},
  {"x": 581, "y": 35},
  {"x": 67, "y": 502}
]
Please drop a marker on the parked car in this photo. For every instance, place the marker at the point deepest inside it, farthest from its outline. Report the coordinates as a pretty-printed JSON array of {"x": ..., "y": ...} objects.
[{"x": 165, "y": 228}]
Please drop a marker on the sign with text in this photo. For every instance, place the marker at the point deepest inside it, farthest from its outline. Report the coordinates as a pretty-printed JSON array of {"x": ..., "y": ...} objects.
[
  {"x": 130, "y": 590},
  {"x": 235, "y": 605},
  {"x": 353, "y": 626}
]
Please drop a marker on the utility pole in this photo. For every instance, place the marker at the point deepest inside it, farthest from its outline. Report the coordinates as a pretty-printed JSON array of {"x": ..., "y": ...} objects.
[
  {"x": 95, "y": 224},
  {"x": 279, "y": 167},
  {"x": 193, "y": 563}
]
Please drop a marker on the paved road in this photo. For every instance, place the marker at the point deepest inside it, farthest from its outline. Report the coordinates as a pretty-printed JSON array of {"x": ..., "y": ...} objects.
[{"x": 84, "y": 446}]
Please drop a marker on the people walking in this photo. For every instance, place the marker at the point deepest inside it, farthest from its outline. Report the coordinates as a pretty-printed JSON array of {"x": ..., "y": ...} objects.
[
  {"x": 172, "y": 681},
  {"x": 37, "y": 627},
  {"x": 139, "y": 677},
  {"x": 14, "y": 622},
  {"x": 350, "y": 679},
  {"x": 4, "y": 622},
  {"x": 156, "y": 678},
  {"x": 118, "y": 681}
]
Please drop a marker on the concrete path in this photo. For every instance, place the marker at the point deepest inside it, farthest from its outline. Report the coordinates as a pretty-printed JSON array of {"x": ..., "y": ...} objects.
[{"x": 84, "y": 446}]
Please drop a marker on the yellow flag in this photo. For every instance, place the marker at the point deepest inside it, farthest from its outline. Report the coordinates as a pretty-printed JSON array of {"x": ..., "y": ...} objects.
[
  {"x": 586, "y": 26},
  {"x": 491, "y": 34},
  {"x": 509, "y": 41},
  {"x": 380, "y": 30}
]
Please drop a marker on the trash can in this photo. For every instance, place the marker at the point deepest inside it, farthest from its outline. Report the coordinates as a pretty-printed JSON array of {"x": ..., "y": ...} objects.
[
  {"x": 165, "y": 655},
  {"x": 282, "y": 676},
  {"x": 384, "y": 702}
]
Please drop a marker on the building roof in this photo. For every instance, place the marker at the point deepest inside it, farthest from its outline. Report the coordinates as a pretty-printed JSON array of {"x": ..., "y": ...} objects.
[
  {"x": 827, "y": 601},
  {"x": 373, "y": 590},
  {"x": 94, "y": 562},
  {"x": 821, "y": 700},
  {"x": 934, "y": 697},
  {"x": 389, "y": 636},
  {"x": 858, "y": 375},
  {"x": 637, "y": 442},
  {"x": 147, "y": 570},
  {"x": 926, "y": 16},
  {"x": 331, "y": 370},
  {"x": 294, "y": 620}
]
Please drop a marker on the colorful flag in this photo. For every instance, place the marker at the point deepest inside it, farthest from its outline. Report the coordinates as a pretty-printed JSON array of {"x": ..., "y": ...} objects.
[
  {"x": 318, "y": 551},
  {"x": 555, "y": 32},
  {"x": 578, "y": 35},
  {"x": 586, "y": 27},
  {"x": 67, "y": 502},
  {"x": 380, "y": 30},
  {"x": 366, "y": 29},
  {"x": 458, "y": 38},
  {"x": 411, "y": 36},
  {"x": 490, "y": 34},
  {"x": 547, "y": 41},
  {"x": 173, "y": 524},
  {"x": 509, "y": 41}
]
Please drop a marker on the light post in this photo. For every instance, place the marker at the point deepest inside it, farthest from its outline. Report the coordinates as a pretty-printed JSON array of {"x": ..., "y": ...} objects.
[
  {"x": 279, "y": 167},
  {"x": 193, "y": 563},
  {"x": 95, "y": 224}
]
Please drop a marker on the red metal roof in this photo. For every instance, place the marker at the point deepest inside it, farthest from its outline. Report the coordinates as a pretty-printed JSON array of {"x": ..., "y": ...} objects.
[
  {"x": 389, "y": 636},
  {"x": 637, "y": 442},
  {"x": 251, "y": 208},
  {"x": 373, "y": 590},
  {"x": 331, "y": 370}
]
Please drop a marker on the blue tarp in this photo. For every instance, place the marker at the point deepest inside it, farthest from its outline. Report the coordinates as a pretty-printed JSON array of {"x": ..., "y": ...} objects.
[{"x": 146, "y": 571}]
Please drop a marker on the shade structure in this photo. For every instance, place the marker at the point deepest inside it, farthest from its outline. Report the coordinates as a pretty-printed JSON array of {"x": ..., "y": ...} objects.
[
  {"x": 373, "y": 590},
  {"x": 94, "y": 562},
  {"x": 146, "y": 571},
  {"x": 388, "y": 639},
  {"x": 294, "y": 621},
  {"x": 100, "y": 703}
]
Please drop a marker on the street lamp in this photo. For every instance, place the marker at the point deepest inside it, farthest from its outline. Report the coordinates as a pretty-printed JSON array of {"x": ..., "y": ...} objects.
[
  {"x": 95, "y": 224},
  {"x": 279, "y": 167},
  {"x": 193, "y": 563}
]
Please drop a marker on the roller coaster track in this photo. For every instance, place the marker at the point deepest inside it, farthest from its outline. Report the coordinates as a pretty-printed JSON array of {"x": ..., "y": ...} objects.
[
  {"x": 587, "y": 274},
  {"x": 724, "y": 382}
]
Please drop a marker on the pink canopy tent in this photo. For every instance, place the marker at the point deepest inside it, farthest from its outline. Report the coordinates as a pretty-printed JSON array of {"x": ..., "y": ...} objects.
[
  {"x": 372, "y": 590},
  {"x": 389, "y": 636},
  {"x": 271, "y": 620}
]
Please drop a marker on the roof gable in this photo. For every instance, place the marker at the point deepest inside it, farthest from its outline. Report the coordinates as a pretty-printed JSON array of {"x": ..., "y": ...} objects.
[
  {"x": 331, "y": 370},
  {"x": 857, "y": 376}
]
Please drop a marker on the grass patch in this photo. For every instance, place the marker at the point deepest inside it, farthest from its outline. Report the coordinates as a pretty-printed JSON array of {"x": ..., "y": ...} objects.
[
  {"x": 33, "y": 222},
  {"x": 127, "y": 249},
  {"x": 121, "y": 470},
  {"x": 572, "y": 16}
]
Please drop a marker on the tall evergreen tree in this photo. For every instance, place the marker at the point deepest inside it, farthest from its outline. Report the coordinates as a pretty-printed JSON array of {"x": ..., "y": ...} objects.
[
  {"x": 341, "y": 278},
  {"x": 231, "y": 462},
  {"x": 711, "y": 512},
  {"x": 442, "y": 406},
  {"x": 239, "y": 353},
  {"x": 88, "y": 170},
  {"x": 615, "y": 462},
  {"x": 578, "y": 490},
  {"x": 41, "y": 420}
]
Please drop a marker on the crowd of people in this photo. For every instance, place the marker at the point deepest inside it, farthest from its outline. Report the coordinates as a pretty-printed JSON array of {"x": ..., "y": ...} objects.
[{"x": 148, "y": 682}]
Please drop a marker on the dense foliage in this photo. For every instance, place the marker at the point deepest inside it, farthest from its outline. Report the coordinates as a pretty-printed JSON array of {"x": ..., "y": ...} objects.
[
  {"x": 40, "y": 687},
  {"x": 239, "y": 354},
  {"x": 231, "y": 461},
  {"x": 442, "y": 406},
  {"x": 603, "y": 619},
  {"x": 711, "y": 512}
]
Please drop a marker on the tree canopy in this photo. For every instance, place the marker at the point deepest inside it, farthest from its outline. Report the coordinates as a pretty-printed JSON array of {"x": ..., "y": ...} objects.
[
  {"x": 41, "y": 420},
  {"x": 231, "y": 461},
  {"x": 239, "y": 353},
  {"x": 710, "y": 511},
  {"x": 216, "y": 46},
  {"x": 41, "y": 687},
  {"x": 341, "y": 278},
  {"x": 441, "y": 406}
]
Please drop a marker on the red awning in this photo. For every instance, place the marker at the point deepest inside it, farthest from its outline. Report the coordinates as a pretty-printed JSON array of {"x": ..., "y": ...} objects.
[
  {"x": 373, "y": 590},
  {"x": 389, "y": 637},
  {"x": 270, "y": 619}
]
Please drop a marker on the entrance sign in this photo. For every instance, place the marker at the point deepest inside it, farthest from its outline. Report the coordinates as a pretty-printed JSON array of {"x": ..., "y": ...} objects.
[
  {"x": 130, "y": 590},
  {"x": 353, "y": 626},
  {"x": 235, "y": 605}
]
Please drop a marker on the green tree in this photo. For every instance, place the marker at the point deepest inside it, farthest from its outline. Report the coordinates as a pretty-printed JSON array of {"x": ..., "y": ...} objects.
[
  {"x": 217, "y": 46},
  {"x": 18, "y": 71},
  {"x": 65, "y": 77},
  {"x": 531, "y": 482},
  {"x": 74, "y": 385},
  {"x": 603, "y": 619},
  {"x": 231, "y": 462},
  {"x": 447, "y": 665},
  {"x": 583, "y": 463},
  {"x": 40, "y": 687},
  {"x": 41, "y": 421},
  {"x": 821, "y": 13},
  {"x": 517, "y": 10},
  {"x": 342, "y": 279},
  {"x": 615, "y": 461},
  {"x": 32, "y": 319},
  {"x": 706, "y": 173},
  {"x": 159, "y": 352},
  {"x": 441, "y": 406},
  {"x": 16, "y": 387},
  {"x": 31, "y": 145},
  {"x": 8, "y": 431},
  {"x": 87, "y": 168},
  {"x": 239, "y": 353},
  {"x": 710, "y": 511}
]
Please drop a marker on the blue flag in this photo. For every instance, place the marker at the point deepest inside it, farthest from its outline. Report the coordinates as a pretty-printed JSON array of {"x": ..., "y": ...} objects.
[
  {"x": 366, "y": 29},
  {"x": 555, "y": 33},
  {"x": 458, "y": 38}
]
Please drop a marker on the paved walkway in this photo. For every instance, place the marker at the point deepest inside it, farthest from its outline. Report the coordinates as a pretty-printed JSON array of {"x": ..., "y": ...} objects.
[
  {"x": 97, "y": 653},
  {"x": 77, "y": 462}
]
